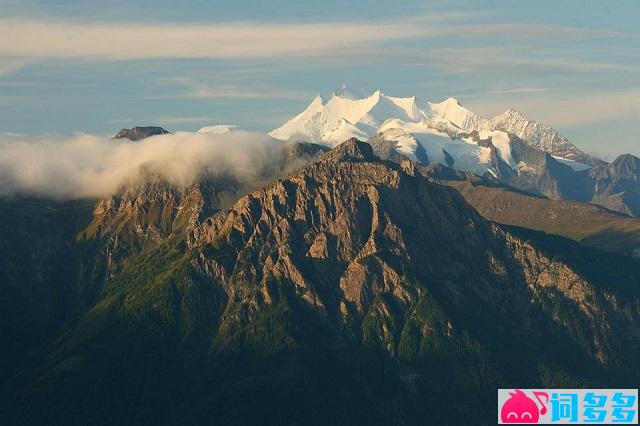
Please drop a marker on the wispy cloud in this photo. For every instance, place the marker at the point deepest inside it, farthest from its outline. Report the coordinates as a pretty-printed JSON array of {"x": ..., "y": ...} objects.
[
  {"x": 164, "y": 120},
  {"x": 526, "y": 58},
  {"x": 569, "y": 111},
  {"x": 11, "y": 65},
  {"x": 195, "y": 89},
  {"x": 236, "y": 40},
  {"x": 248, "y": 40},
  {"x": 518, "y": 90},
  {"x": 184, "y": 120}
]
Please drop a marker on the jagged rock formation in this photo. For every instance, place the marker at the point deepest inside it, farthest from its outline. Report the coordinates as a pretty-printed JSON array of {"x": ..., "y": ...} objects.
[
  {"x": 147, "y": 213},
  {"x": 354, "y": 290}
]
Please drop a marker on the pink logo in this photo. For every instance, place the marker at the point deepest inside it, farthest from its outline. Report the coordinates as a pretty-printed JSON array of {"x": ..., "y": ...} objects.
[{"x": 519, "y": 408}]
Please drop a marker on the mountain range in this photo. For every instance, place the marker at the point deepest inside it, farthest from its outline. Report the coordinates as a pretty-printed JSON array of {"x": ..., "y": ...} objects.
[
  {"x": 518, "y": 151},
  {"x": 396, "y": 276}
]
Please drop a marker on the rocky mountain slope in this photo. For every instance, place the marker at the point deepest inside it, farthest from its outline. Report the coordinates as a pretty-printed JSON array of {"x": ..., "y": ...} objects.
[
  {"x": 39, "y": 272},
  {"x": 589, "y": 224},
  {"x": 56, "y": 257},
  {"x": 352, "y": 291}
]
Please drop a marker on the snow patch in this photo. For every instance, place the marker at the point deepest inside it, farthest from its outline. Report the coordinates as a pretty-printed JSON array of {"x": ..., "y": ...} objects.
[
  {"x": 572, "y": 163},
  {"x": 219, "y": 129}
]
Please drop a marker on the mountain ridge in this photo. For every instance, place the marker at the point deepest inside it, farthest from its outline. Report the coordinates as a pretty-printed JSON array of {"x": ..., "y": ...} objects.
[{"x": 354, "y": 281}]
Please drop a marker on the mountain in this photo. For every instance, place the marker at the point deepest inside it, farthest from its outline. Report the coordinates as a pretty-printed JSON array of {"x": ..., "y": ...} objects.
[
  {"x": 341, "y": 117},
  {"x": 139, "y": 133},
  {"x": 540, "y": 135},
  {"x": 522, "y": 153},
  {"x": 351, "y": 291},
  {"x": 39, "y": 272},
  {"x": 56, "y": 257},
  {"x": 452, "y": 111},
  {"x": 589, "y": 224},
  {"x": 616, "y": 185},
  {"x": 495, "y": 154},
  {"x": 349, "y": 113}
]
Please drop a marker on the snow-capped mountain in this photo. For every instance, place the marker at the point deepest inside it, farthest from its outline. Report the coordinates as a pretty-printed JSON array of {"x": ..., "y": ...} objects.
[
  {"x": 540, "y": 135},
  {"x": 342, "y": 117},
  {"x": 449, "y": 132},
  {"x": 452, "y": 111}
]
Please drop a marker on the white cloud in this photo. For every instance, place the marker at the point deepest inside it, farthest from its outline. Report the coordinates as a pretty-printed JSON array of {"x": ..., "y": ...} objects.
[
  {"x": 235, "y": 40},
  {"x": 51, "y": 38},
  {"x": 90, "y": 166},
  {"x": 246, "y": 91},
  {"x": 492, "y": 60}
]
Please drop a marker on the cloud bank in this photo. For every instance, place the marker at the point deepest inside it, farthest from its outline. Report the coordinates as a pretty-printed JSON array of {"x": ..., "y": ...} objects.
[{"x": 87, "y": 166}]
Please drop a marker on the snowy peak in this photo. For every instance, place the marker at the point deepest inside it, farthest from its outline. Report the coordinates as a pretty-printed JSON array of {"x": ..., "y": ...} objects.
[
  {"x": 539, "y": 135},
  {"x": 452, "y": 110},
  {"x": 352, "y": 113},
  {"x": 347, "y": 114}
]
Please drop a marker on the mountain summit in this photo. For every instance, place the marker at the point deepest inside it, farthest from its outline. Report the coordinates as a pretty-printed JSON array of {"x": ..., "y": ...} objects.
[{"x": 343, "y": 116}]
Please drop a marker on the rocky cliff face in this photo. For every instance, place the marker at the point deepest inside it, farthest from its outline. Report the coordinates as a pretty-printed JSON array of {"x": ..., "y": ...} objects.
[
  {"x": 147, "y": 213},
  {"x": 353, "y": 290}
]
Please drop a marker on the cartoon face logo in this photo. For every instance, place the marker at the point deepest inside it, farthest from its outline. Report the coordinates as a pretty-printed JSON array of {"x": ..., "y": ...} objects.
[{"x": 519, "y": 408}]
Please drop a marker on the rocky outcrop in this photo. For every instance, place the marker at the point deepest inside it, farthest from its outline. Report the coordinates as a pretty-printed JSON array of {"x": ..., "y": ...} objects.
[{"x": 139, "y": 133}]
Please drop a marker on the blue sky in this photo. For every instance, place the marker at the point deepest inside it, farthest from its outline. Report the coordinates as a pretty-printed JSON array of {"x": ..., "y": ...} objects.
[{"x": 88, "y": 66}]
